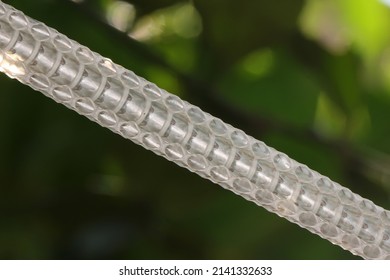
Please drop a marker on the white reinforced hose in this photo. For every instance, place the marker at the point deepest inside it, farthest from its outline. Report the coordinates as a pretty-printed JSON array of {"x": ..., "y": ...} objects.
[{"x": 138, "y": 110}]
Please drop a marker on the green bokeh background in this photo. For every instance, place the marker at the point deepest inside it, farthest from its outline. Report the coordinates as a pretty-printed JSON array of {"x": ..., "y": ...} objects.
[{"x": 310, "y": 78}]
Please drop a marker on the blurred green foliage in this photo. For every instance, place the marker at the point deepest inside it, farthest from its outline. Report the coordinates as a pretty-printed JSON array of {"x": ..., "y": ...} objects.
[{"x": 310, "y": 78}]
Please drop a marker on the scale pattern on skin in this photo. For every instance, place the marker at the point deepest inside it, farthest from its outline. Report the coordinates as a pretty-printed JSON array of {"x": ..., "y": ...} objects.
[{"x": 127, "y": 104}]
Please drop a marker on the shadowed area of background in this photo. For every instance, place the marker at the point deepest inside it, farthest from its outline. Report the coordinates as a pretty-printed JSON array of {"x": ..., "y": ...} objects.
[{"x": 309, "y": 78}]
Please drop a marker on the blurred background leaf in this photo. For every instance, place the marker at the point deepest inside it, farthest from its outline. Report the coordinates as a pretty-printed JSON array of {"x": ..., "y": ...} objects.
[{"x": 309, "y": 77}]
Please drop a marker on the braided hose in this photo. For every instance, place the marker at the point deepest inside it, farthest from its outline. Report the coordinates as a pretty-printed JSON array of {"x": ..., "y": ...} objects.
[{"x": 116, "y": 98}]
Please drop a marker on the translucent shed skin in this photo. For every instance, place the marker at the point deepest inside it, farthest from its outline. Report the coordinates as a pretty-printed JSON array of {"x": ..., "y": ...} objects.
[{"x": 136, "y": 109}]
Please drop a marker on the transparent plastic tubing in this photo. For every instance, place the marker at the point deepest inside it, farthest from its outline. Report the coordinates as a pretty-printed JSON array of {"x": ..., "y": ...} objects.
[{"x": 116, "y": 98}]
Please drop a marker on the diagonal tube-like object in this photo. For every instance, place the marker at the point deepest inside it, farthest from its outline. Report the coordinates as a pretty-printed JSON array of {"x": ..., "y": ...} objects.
[{"x": 138, "y": 110}]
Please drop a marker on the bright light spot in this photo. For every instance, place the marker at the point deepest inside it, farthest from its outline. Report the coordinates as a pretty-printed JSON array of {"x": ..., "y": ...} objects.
[
  {"x": 11, "y": 65},
  {"x": 323, "y": 22},
  {"x": 148, "y": 27},
  {"x": 258, "y": 63},
  {"x": 187, "y": 22},
  {"x": 386, "y": 2},
  {"x": 181, "y": 20},
  {"x": 121, "y": 15}
]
